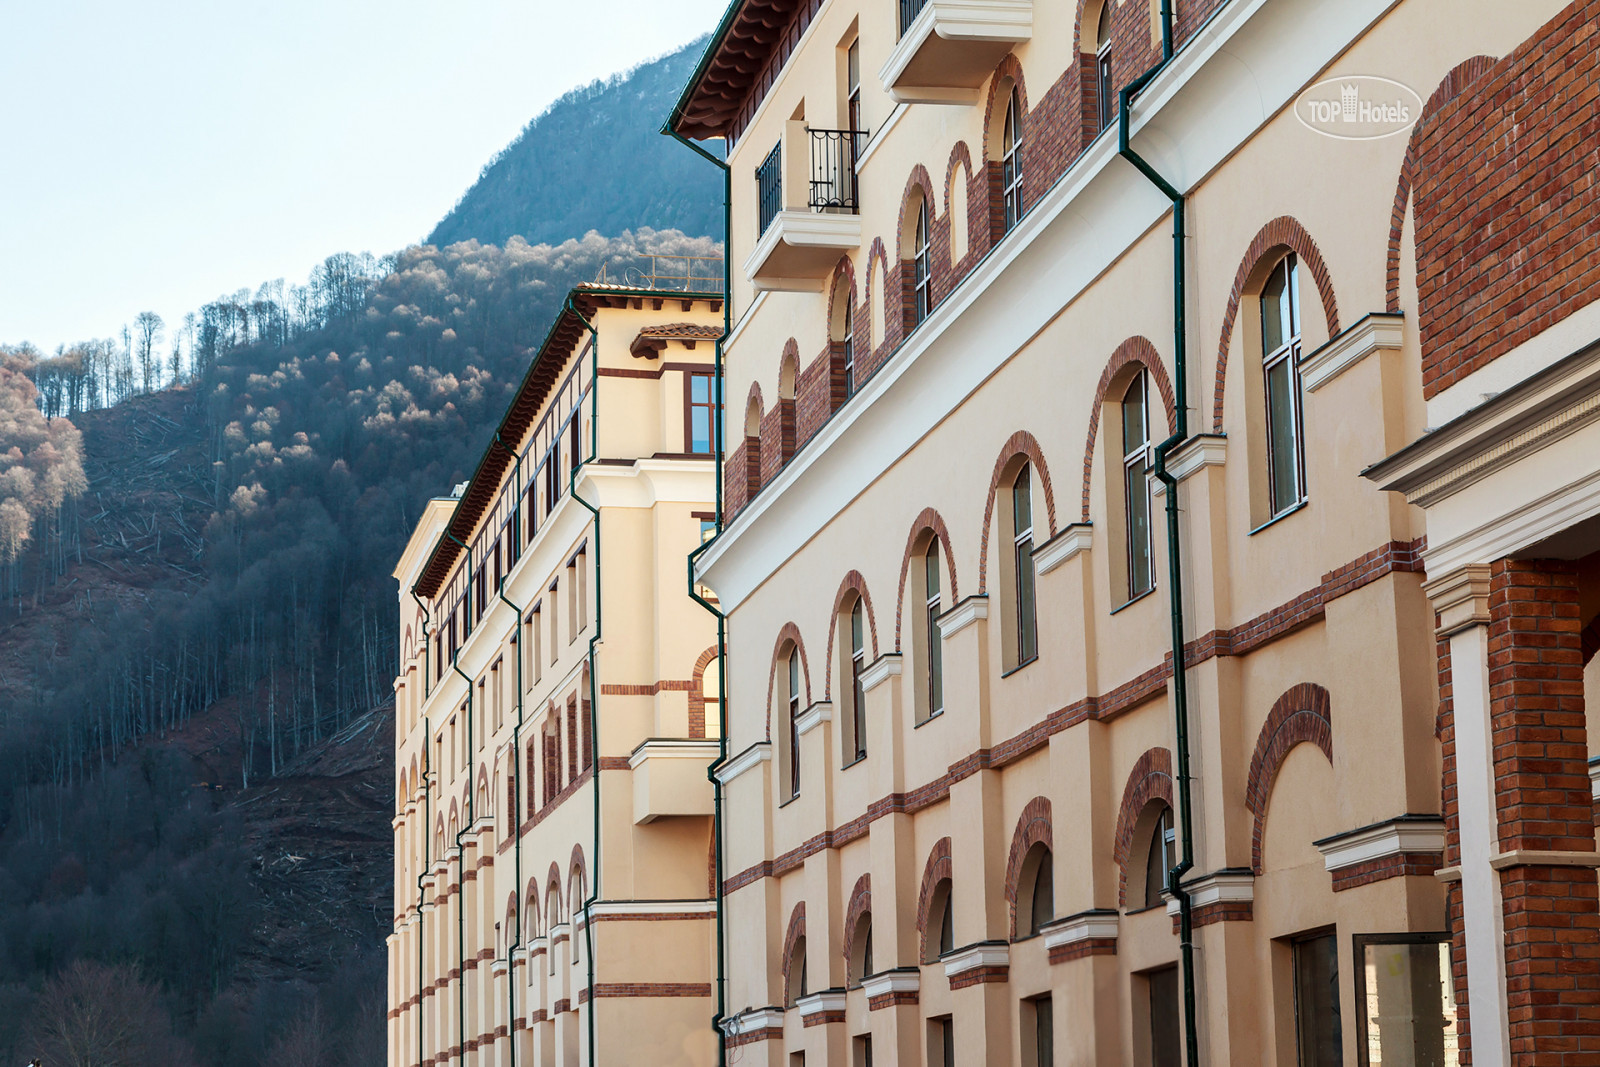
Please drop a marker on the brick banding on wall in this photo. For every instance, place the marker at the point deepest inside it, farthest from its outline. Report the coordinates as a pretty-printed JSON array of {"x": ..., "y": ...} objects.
[
  {"x": 980, "y": 976},
  {"x": 1281, "y": 235},
  {"x": 1033, "y": 828},
  {"x": 1399, "y": 865},
  {"x": 1302, "y": 714},
  {"x": 1020, "y": 444},
  {"x": 1149, "y": 781},
  {"x": 1134, "y": 351},
  {"x": 697, "y": 693},
  {"x": 1077, "y": 950},
  {"x": 928, "y": 520}
]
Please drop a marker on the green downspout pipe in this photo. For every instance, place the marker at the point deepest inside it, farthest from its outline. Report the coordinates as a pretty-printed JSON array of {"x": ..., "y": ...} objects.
[
  {"x": 1180, "y": 433},
  {"x": 516, "y": 763},
  {"x": 594, "y": 670},
  {"x": 466, "y": 823},
  {"x": 722, "y": 674},
  {"x": 427, "y": 830}
]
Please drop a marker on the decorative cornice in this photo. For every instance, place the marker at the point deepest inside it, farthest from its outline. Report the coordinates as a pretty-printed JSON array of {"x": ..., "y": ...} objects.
[
  {"x": 964, "y": 614},
  {"x": 1394, "y": 837},
  {"x": 1231, "y": 886},
  {"x": 1084, "y": 926},
  {"x": 1528, "y": 857},
  {"x": 1008, "y": 21},
  {"x": 1461, "y": 598},
  {"x": 753, "y": 1020},
  {"x": 601, "y": 909},
  {"x": 823, "y": 1002},
  {"x": 904, "y": 980},
  {"x": 1200, "y": 451},
  {"x": 673, "y": 748},
  {"x": 880, "y": 670},
  {"x": 1379, "y": 331},
  {"x": 737, "y": 765},
  {"x": 813, "y": 717},
  {"x": 983, "y": 954},
  {"x": 1062, "y": 547}
]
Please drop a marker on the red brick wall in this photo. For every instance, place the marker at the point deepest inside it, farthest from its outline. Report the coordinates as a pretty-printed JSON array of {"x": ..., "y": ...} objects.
[
  {"x": 1552, "y": 925},
  {"x": 1507, "y": 201}
]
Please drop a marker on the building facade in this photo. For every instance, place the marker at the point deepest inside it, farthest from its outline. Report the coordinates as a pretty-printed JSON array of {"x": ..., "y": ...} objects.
[
  {"x": 557, "y": 710},
  {"x": 1061, "y": 330}
]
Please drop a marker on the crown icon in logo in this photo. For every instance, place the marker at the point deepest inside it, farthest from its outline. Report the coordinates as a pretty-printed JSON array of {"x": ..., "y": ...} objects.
[{"x": 1348, "y": 96}]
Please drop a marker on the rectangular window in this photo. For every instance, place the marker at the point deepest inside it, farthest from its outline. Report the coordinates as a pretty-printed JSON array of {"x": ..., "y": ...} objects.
[
  {"x": 1011, "y": 163},
  {"x": 769, "y": 187},
  {"x": 575, "y": 446},
  {"x": 574, "y": 597},
  {"x": 1039, "y": 1043},
  {"x": 863, "y": 1051},
  {"x": 1280, "y": 366},
  {"x": 1166, "y": 1049},
  {"x": 921, "y": 268},
  {"x": 1405, "y": 1000},
  {"x": 483, "y": 709},
  {"x": 499, "y": 574},
  {"x": 852, "y": 81},
  {"x": 1136, "y": 484},
  {"x": 794, "y": 724},
  {"x": 534, "y": 628},
  {"x": 701, "y": 407},
  {"x": 858, "y": 664},
  {"x": 1316, "y": 1001},
  {"x": 552, "y": 475},
  {"x": 942, "y": 1042},
  {"x": 497, "y": 687}
]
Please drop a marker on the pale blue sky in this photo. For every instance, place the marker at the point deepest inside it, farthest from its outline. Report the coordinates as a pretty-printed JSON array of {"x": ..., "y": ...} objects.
[{"x": 155, "y": 155}]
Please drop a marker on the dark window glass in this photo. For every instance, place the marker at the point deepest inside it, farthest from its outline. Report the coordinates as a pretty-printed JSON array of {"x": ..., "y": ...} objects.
[
  {"x": 1107, "y": 99},
  {"x": 1316, "y": 1002},
  {"x": 1011, "y": 161},
  {"x": 1022, "y": 549},
  {"x": 935, "y": 650},
  {"x": 947, "y": 1041},
  {"x": 921, "y": 267},
  {"x": 1044, "y": 1032},
  {"x": 858, "y": 662},
  {"x": 1165, "y": 1047},
  {"x": 947, "y": 925},
  {"x": 1136, "y": 489},
  {"x": 849, "y": 344},
  {"x": 1280, "y": 365},
  {"x": 794, "y": 723},
  {"x": 1161, "y": 858},
  {"x": 1405, "y": 1001},
  {"x": 1044, "y": 894}
]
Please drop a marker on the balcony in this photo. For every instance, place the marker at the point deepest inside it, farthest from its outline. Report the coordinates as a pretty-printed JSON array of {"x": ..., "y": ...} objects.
[
  {"x": 949, "y": 47},
  {"x": 801, "y": 240}
]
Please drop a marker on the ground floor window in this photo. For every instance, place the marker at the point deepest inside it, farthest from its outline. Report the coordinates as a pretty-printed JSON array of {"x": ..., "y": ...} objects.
[
  {"x": 1038, "y": 1032},
  {"x": 863, "y": 1051},
  {"x": 1165, "y": 1021},
  {"x": 1405, "y": 1001},
  {"x": 1316, "y": 1001},
  {"x": 942, "y": 1042}
]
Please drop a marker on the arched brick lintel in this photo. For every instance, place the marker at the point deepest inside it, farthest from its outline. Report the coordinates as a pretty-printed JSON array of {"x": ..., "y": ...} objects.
[
  {"x": 788, "y": 633},
  {"x": 1302, "y": 714},
  {"x": 1134, "y": 350},
  {"x": 1283, "y": 232},
  {"x": 928, "y": 520},
  {"x": 1020, "y": 444},
  {"x": 938, "y": 869},
  {"x": 1149, "y": 780},
  {"x": 797, "y": 930},
  {"x": 860, "y": 904},
  {"x": 1033, "y": 828},
  {"x": 853, "y": 582}
]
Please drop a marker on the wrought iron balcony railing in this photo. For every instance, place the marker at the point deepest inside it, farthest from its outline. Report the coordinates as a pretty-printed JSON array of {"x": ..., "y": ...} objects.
[
  {"x": 909, "y": 10},
  {"x": 833, "y": 169},
  {"x": 769, "y": 185}
]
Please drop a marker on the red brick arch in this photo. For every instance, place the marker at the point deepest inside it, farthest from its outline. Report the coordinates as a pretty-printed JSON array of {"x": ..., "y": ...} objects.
[
  {"x": 1007, "y": 68},
  {"x": 917, "y": 179},
  {"x": 846, "y": 269},
  {"x": 927, "y": 520},
  {"x": 1449, "y": 88},
  {"x": 1033, "y": 828},
  {"x": 576, "y": 866},
  {"x": 1283, "y": 233},
  {"x": 530, "y": 910},
  {"x": 877, "y": 267},
  {"x": 1302, "y": 714},
  {"x": 797, "y": 930},
  {"x": 552, "y": 882},
  {"x": 697, "y": 694},
  {"x": 938, "y": 869},
  {"x": 1135, "y": 350},
  {"x": 860, "y": 904},
  {"x": 1150, "y": 780},
  {"x": 789, "y": 632},
  {"x": 853, "y": 583},
  {"x": 1022, "y": 443}
]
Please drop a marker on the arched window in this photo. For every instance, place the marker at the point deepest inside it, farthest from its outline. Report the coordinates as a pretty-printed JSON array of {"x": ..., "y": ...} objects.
[
  {"x": 788, "y": 375},
  {"x": 927, "y": 587},
  {"x": 752, "y": 446},
  {"x": 921, "y": 266},
  {"x": 1135, "y": 484},
  {"x": 939, "y": 936},
  {"x": 1280, "y": 371},
  {"x": 1036, "y": 900},
  {"x": 1161, "y": 856},
  {"x": 1011, "y": 161},
  {"x": 852, "y": 642},
  {"x": 1022, "y": 645},
  {"x": 861, "y": 966},
  {"x": 796, "y": 985},
  {"x": 842, "y": 341},
  {"x": 1102, "y": 64},
  {"x": 793, "y": 709}
]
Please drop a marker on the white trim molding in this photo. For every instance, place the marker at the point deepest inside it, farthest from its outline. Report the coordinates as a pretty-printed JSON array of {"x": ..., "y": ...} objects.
[
  {"x": 904, "y": 980},
  {"x": 1378, "y": 331},
  {"x": 1528, "y": 857},
  {"x": 1200, "y": 451},
  {"x": 815, "y": 237},
  {"x": 983, "y": 954},
  {"x": 702, "y": 751},
  {"x": 821, "y": 1002},
  {"x": 813, "y": 717},
  {"x": 969, "y": 22},
  {"x": 737, "y": 765},
  {"x": 1594, "y": 778},
  {"x": 1394, "y": 837},
  {"x": 1065, "y": 545},
  {"x": 747, "y": 1022},
  {"x": 1461, "y": 598},
  {"x": 1084, "y": 926},
  {"x": 880, "y": 670},
  {"x": 602, "y": 908},
  {"x": 964, "y": 614},
  {"x": 1231, "y": 886}
]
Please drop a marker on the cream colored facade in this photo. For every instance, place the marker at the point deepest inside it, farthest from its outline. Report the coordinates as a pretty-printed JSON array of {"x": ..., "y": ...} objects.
[
  {"x": 1348, "y": 835},
  {"x": 553, "y": 898}
]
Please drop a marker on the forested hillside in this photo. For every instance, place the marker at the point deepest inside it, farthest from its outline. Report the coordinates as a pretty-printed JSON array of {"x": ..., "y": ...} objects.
[
  {"x": 595, "y": 160},
  {"x": 202, "y": 606}
]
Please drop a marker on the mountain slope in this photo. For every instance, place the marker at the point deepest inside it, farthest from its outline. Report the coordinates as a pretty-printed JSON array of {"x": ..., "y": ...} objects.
[{"x": 595, "y": 160}]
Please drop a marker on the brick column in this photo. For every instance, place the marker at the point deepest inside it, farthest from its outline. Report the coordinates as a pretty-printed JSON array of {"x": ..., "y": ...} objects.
[{"x": 1546, "y": 856}]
